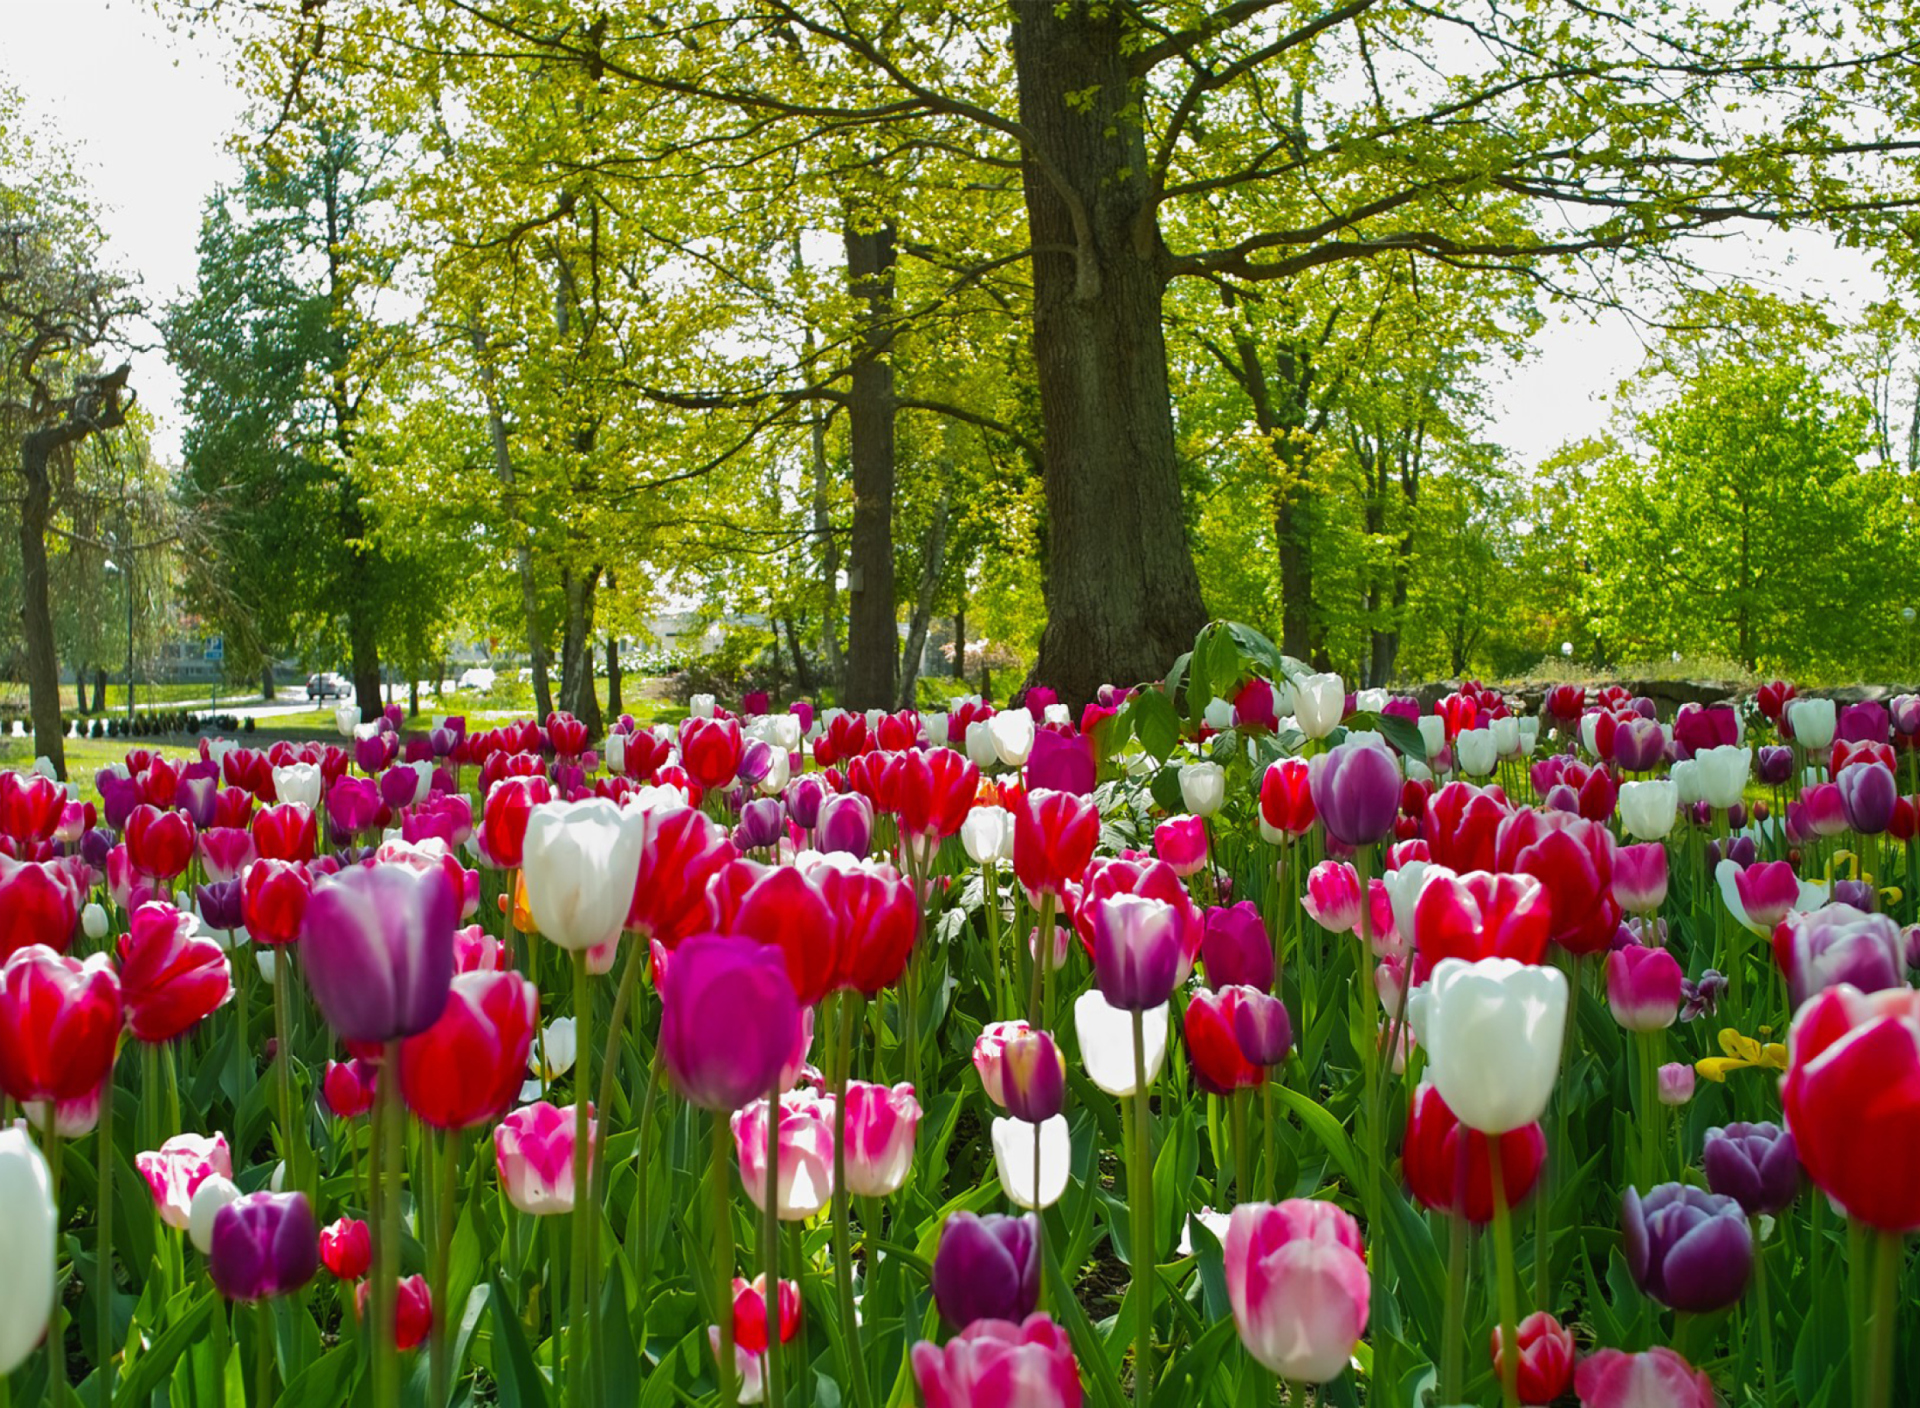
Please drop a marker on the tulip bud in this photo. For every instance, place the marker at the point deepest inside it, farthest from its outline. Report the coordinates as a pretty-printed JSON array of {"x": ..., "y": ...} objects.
[
  {"x": 176, "y": 1170},
  {"x": 998, "y": 1362},
  {"x": 1545, "y": 1357},
  {"x": 1757, "y": 1165},
  {"x": 1356, "y": 792},
  {"x": 1687, "y": 1248},
  {"x": 93, "y": 922},
  {"x": 1492, "y": 1031},
  {"x": 264, "y": 1245},
  {"x": 346, "y": 1248},
  {"x": 1235, "y": 949},
  {"x": 213, "y": 1194},
  {"x": 533, "y": 1153},
  {"x": 1297, "y": 1280},
  {"x": 1676, "y": 1083},
  {"x": 1203, "y": 788},
  {"x": 803, "y": 1182},
  {"x": 1136, "y": 951},
  {"x": 26, "y": 1247},
  {"x": 880, "y": 1126},
  {"x": 1612, "y": 1378},
  {"x": 1643, "y": 988},
  {"x": 1027, "y": 1184}
]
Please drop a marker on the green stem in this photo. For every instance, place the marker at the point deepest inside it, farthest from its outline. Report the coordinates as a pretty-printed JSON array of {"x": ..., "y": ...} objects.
[
  {"x": 1139, "y": 1195},
  {"x": 441, "y": 1361},
  {"x": 1038, "y": 953},
  {"x": 56, "y": 1336},
  {"x": 770, "y": 1244},
  {"x": 1269, "y": 1174},
  {"x": 1764, "y": 1315},
  {"x": 1859, "y": 1302},
  {"x": 856, "y": 1364},
  {"x": 386, "y": 1245},
  {"x": 722, "y": 1252},
  {"x": 103, "y": 1360},
  {"x": 1453, "y": 1341},
  {"x": 580, "y": 1300},
  {"x": 263, "y": 1354},
  {"x": 283, "y": 1069},
  {"x": 990, "y": 892},
  {"x": 1242, "y": 1155},
  {"x": 1503, "y": 1271},
  {"x": 643, "y": 1254},
  {"x": 1886, "y": 1286}
]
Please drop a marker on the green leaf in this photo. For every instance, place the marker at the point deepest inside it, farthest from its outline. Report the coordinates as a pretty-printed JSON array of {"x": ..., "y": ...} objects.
[
  {"x": 1325, "y": 1128},
  {"x": 147, "y": 1372},
  {"x": 1155, "y": 723},
  {"x": 521, "y": 1383}
]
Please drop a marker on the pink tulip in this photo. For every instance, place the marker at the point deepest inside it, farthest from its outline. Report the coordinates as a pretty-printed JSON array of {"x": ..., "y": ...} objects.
[
  {"x": 988, "y": 1052},
  {"x": 176, "y": 1170},
  {"x": 1659, "y": 1378},
  {"x": 1297, "y": 1279},
  {"x": 805, "y": 1179},
  {"x": 533, "y": 1150},
  {"x": 1333, "y": 896},
  {"x": 998, "y": 1364},
  {"x": 881, "y": 1122},
  {"x": 1643, "y": 988},
  {"x": 1181, "y": 842},
  {"x": 1640, "y": 877}
]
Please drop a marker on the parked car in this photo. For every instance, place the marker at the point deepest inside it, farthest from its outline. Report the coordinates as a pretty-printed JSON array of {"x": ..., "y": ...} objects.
[{"x": 329, "y": 686}]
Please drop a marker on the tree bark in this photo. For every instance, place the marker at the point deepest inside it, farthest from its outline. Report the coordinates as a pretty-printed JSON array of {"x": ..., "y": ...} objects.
[
  {"x": 960, "y": 641},
  {"x": 872, "y": 629},
  {"x": 537, "y": 656},
  {"x": 802, "y": 670},
  {"x": 364, "y": 648},
  {"x": 266, "y": 682},
  {"x": 36, "y": 609},
  {"x": 616, "y": 704},
  {"x": 577, "y": 694},
  {"x": 933, "y": 562},
  {"x": 1123, "y": 598},
  {"x": 99, "y": 689}
]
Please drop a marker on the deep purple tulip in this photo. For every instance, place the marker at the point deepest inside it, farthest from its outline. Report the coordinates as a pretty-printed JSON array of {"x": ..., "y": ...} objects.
[
  {"x": 1687, "y": 1248},
  {"x": 1263, "y": 1029},
  {"x": 353, "y": 804},
  {"x": 1136, "y": 950},
  {"x": 1904, "y": 713},
  {"x": 1561, "y": 798},
  {"x": 197, "y": 793},
  {"x": 845, "y": 824},
  {"x": 1773, "y": 765},
  {"x": 1860, "y": 894},
  {"x": 1235, "y": 948},
  {"x": 373, "y": 753},
  {"x": 804, "y": 796},
  {"x": 399, "y": 786},
  {"x": 264, "y": 1244},
  {"x": 96, "y": 845},
  {"x": 729, "y": 1021},
  {"x": 1868, "y": 792},
  {"x": 762, "y": 823},
  {"x": 1757, "y": 1165},
  {"x": 1356, "y": 792},
  {"x": 1033, "y": 1076},
  {"x": 756, "y": 761},
  {"x": 1865, "y": 722},
  {"x": 377, "y": 946},
  {"x": 987, "y": 1268},
  {"x": 219, "y": 904},
  {"x": 442, "y": 741},
  {"x": 1638, "y": 744},
  {"x": 1062, "y": 762},
  {"x": 1838, "y": 944}
]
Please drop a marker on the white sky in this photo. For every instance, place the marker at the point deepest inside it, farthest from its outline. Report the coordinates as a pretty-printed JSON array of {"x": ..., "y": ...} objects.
[{"x": 147, "y": 114}]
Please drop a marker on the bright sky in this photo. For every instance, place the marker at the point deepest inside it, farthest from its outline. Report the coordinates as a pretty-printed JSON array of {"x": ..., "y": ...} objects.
[{"x": 148, "y": 113}]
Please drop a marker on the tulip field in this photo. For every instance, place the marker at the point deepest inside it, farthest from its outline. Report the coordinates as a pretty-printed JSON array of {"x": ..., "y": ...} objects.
[{"x": 1230, "y": 1040}]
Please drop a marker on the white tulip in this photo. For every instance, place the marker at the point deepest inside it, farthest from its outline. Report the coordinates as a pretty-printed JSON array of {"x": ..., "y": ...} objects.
[
  {"x": 1025, "y": 1184},
  {"x": 1529, "y": 735},
  {"x": 1433, "y": 733},
  {"x": 93, "y": 922},
  {"x": 1012, "y": 731},
  {"x": 1589, "y": 733},
  {"x": 700, "y": 706},
  {"x": 579, "y": 864},
  {"x": 987, "y": 834},
  {"x": 1370, "y": 701},
  {"x": 779, "y": 769},
  {"x": 346, "y": 717},
  {"x": 935, "y": 727},
  {"x": 1106, "y": 1041},
  {"x": 1813, "y": 722},
  {"x": 1319, "y": 702},
  {"x": 1492, "y": 1032},
  {"x": 1476, "y": 751},
  {"x": 1506, "y": 735},
  {"x": 1403, "y": 889},
  {"x": 1058, "y": 714},
  {"x": 1687, "y": 782},
  {"x": 1218, "y": 715},
  {"x": 615, "y": 753},
  {"x": 1203, "y": 787},
  {"x": 298, "y": 782},
  {"x": 980, "y": 747},
  {"x": 1648, "y": 809},
  {"x": 1723, "y": 774},
  {"x": 26, "y": 1247},
  {"x": 214, "y": 1193}
]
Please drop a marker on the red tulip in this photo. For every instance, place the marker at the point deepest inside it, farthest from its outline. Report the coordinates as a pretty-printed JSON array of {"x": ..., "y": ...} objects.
[
  {"x": 1478, "y": 915},
  {"x": 710, "y": 750},
  {"x": 346, "y": 1248},
  {"x": 1545, "y": 1357},
  {"x": 1219, "y": 1065},
  {"x": 226, "y": 852},
  {"x": 750, "y": 1312},
  {"x": 935, "y": 792},
  {"x": 1573, "y": 859},
  {"x": 159, "y": 843},
  {"x": 412, "y": 1310},
  {"x": 782, "y": 908},
  {"x": 476, "y": 951},
  {"x": 59, "y": 1024},
  {"x": 30, "y": 807},
  {"x": 1054, "y": 834},
  {"x": 170, "y": 975},
  {"x": 273, "y": 900},
  {"x": 39, "y": 903},
  {"x": 503, "y": 828},
  {"x": 349, "y": 1087},
  {"x": 1852, "y": 1101},
  {"x": 466, "y": 1068},
  {"x": 876, "y": 920},
  {"x": 683, "y": 851},
  {"x": 567, "y": 734},
  {"x": 1462, "y": 823},
  {"x": 1446, "y": 1163},
  {"x": 1286, "y": 799},
  {"x": 285, "y": 832},
  {"x": 1153, "y": 880}
]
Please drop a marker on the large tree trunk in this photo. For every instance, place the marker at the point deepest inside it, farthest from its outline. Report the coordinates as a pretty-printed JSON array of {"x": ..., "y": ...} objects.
[
  {"x": 266, "y": 681},
  {"x": 99, "y": 689},
  {"x": 523, "y": 548},
  {"x": 872, "y": 629},
  {"x": 36, "y": 606},
  {"x": 364, "y": 645},
  {"x": 933, "y": 563},
  {"x": 577, "y": 694},
  {"x": 1123, "y": 598},
  {"x": 829, "y": 554}
]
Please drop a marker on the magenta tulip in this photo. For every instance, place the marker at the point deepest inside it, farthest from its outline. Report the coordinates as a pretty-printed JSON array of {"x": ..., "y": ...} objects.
[{"x": 729, "y": 1020}]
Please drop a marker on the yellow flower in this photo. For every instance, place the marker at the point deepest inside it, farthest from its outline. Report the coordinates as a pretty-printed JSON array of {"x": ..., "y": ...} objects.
[{"x": 1742, "y": 1052}]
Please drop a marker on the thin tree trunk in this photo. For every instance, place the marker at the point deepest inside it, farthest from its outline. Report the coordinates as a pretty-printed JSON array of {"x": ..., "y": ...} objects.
[
  {"x": 36, "y": 609},
  {"x": 266, "y": 682},
  {"x": 802, "y": 670},
  {"x": 536, "y": 634},
  {"x": 99, "y": 689},
  {"x": 872, "y": 623},
  {"x": 1123, "y": 598},
  {"x": 577, "y": 694},
  {"x": 933, "y": 563},
  {"x": 960, "y": 641},
  {"x": 616, "y": 704}
]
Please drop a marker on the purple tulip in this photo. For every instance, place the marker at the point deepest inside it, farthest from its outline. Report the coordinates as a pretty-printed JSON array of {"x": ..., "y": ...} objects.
[
  {"x": 1263, "y": 1029},
  {"x": 377, "y": 945},
  {"x": 1865, "y": 722},
  {"x": 845, "y": 824},
  {"x": 372, "y": 753},
  {"x": 1235, "y": 948},
  {"x": 1033, "y": 1077},
  {"x": 729, "y": 1021},
  {"x": 756, "y": 761},
  {"x": 1062, "y": 762},
  {"x": 1904, "y": 713},
  {"x": 1637, "y": 744},
  {"x": 219, "y": 904},
  {"x": 119, "y": 794},
  {"x": 1356, "y": 791},
  {"x": 1136, "y": 950},
  {"x": 1773, "y": 765},
  {"x": 1402, "y": 706},
  {"x": 1757, "y": 1165},
  {"x": 1687, "y": 1248},
  {"x": 804, "y": 796},
  {"x": 1838, "y": 944},
  {"x": 264, "y": 1244},
  {"x": 97, "y": 844},
  {"x": 353, "y": 804},
  {"x": 1860, "y": 894},
  {"x": 987, "y": 1268},
  {"x": 197, "y": 793},
  {"x": 762, "y": 823},
  {"x": 1640, "y": 877},
  {"x": 398, "y": 787},
  {"x": 1868, "y": 792},
  {"x": 1561, "y": 798}
]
